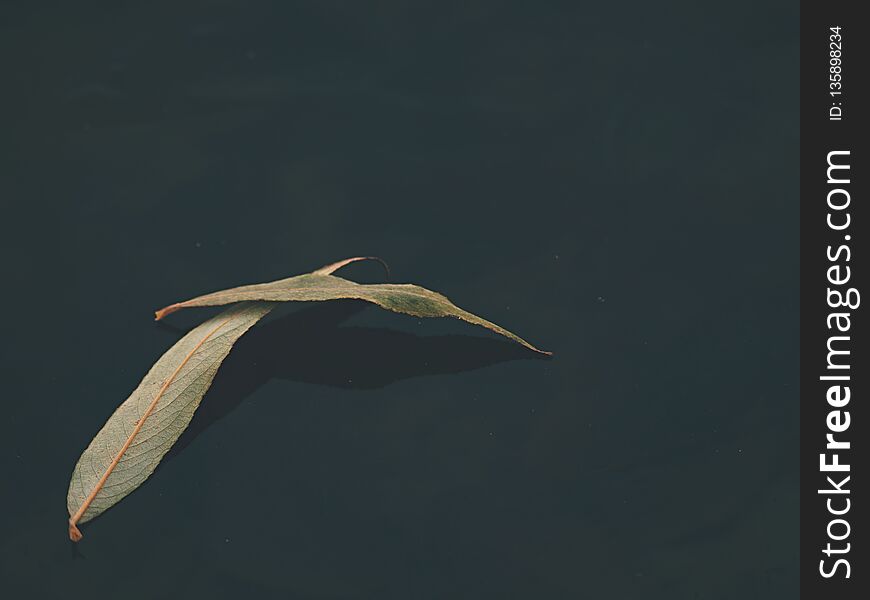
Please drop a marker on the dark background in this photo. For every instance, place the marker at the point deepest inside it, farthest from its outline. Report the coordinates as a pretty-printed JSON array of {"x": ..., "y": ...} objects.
[{"x": 616, "y": 182}]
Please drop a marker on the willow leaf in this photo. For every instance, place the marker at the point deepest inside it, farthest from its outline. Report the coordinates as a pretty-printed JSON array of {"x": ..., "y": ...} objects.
[
  {"x": 321, "y": 285},
  {"x": 136, "y": 437}
]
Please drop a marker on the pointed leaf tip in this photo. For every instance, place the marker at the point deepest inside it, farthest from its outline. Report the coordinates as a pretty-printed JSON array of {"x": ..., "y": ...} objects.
[{"x": 332, "y": 268}]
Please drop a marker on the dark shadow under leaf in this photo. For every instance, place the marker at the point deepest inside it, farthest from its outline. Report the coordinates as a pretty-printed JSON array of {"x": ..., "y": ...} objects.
[{"x": 312, "y": 346}]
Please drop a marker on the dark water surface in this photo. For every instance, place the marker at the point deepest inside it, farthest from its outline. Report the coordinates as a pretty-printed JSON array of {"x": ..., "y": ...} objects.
[{"x": 617, "y": 183}]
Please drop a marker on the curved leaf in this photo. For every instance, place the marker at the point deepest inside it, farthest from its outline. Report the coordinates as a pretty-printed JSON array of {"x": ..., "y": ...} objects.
[
  {"x": 133, "y": 441},
  {"x": 321, "y": 285},
  {"x": 141, "y": 431}
]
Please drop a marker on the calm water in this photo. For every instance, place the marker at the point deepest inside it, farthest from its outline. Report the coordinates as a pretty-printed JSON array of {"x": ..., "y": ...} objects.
[{"x": 616, "y": 183}]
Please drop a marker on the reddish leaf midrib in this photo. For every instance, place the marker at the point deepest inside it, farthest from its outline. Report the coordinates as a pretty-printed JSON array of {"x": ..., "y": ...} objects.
[{"x": 74, "y": 533}]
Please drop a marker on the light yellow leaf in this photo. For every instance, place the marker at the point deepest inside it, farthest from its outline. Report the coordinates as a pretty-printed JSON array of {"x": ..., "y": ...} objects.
[{"x": 133, "y": 441}]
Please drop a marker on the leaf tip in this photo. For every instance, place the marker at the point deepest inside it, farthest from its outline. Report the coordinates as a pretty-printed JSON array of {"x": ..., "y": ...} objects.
[
  {"x": 536, "y": 350},
  {"x": 333, "y": 267},
  {"x": 74, "y": 534}
]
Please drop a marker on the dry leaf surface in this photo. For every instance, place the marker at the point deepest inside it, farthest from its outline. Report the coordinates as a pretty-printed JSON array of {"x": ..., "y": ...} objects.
[
  {"x": 145, "y": 426},
  {"x": 127, "y": 450},
  {"x": 321, "y": 285}
]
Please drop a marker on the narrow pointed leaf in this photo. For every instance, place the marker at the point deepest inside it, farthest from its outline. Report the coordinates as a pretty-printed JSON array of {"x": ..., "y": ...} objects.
[
  {"x": 136, "y": 437},
  {"x": 321, "y": 285}
]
